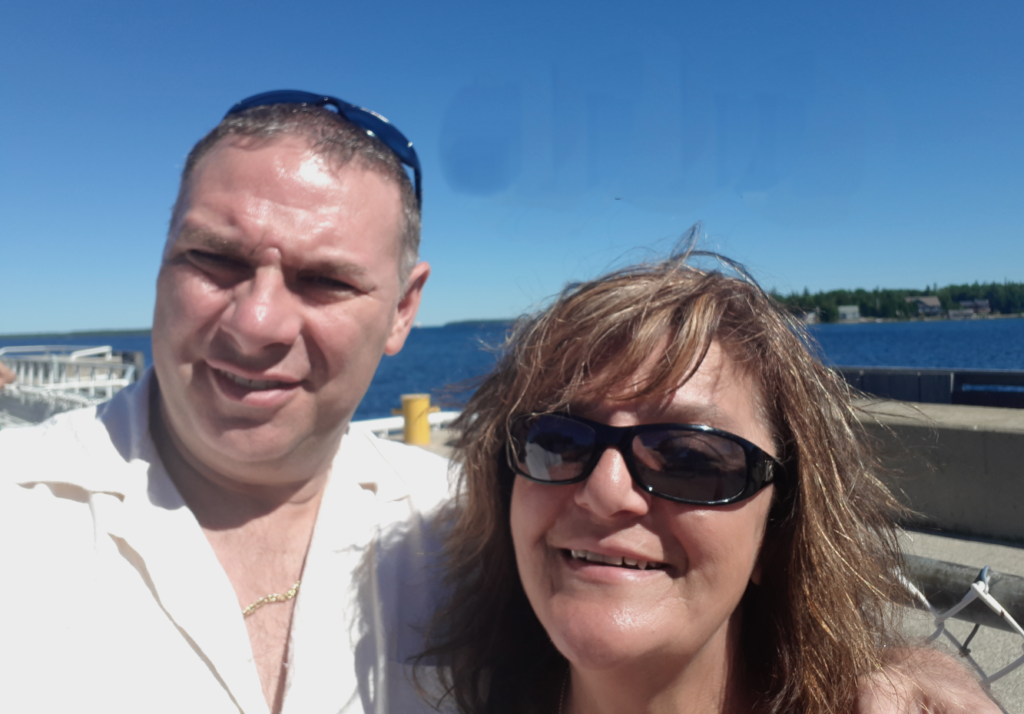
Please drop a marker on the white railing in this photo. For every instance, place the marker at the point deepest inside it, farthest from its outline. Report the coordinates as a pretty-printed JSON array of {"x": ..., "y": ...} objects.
[
  {"x": 388, "y": 426},
  {"x": 89, "y": 371}
]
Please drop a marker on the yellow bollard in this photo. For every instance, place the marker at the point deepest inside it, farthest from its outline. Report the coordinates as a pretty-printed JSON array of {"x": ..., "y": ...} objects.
[{"x": 415, "y": 408}]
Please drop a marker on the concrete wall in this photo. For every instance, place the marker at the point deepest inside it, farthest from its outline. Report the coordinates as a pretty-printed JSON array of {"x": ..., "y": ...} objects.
[{"x": 960, "y": 467}]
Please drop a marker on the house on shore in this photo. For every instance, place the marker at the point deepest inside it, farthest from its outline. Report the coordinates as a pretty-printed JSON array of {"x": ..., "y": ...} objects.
[
  {"x": 970, "y": 309},
  {"x": 927, "y": 305},
  {"x": 849, "y": 313},
  {"x": 977, "y": 306}
]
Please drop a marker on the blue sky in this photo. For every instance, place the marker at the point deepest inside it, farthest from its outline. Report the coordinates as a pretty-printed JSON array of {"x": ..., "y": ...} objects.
[{"x": 824, "y": 144}]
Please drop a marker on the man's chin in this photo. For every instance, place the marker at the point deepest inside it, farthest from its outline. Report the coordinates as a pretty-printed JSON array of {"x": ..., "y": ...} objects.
[
  {"x": 286, "y": 448},
  {"x": 262, "y": 446},
  {"x": 290, "y": 440}
]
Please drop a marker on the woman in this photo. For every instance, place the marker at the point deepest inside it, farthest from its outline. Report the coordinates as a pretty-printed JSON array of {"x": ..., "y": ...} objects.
[{"x": 665, "y": 507}]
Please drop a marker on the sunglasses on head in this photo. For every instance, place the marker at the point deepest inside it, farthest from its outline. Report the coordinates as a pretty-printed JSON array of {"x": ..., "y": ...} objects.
[
  {"x": 374, "y": 124},
  {"x": 687, "y": 463}
]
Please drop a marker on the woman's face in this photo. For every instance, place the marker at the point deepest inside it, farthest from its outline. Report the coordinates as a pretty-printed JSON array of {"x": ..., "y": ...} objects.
[{"x": 677, "y": 612}]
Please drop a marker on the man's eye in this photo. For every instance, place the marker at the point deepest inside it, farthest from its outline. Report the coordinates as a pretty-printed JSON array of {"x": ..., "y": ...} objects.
[
  {"x": 212, "y": 259},
  {"x": 327, "y": 283}
]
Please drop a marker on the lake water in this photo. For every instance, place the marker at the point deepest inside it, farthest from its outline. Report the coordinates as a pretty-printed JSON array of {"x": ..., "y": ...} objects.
[
  {"x": 943, "y": 344},
  {"x": 436, "y": 357}
]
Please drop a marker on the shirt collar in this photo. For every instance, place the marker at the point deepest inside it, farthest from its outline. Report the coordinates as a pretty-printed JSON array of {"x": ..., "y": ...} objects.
[{"x": 117, "y": 432}]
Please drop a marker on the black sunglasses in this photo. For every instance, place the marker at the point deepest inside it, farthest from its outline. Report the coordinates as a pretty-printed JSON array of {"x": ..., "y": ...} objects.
[
  {"x": 687, "y": 463},
  {"x": 375, "y": 125}
]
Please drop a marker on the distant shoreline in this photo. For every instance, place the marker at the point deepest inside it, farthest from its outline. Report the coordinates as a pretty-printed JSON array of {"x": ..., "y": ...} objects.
[
  {"x": 142, "y": 332},
  {"x": 873, "y": 320},
  {"x": 480, "y": 323}
]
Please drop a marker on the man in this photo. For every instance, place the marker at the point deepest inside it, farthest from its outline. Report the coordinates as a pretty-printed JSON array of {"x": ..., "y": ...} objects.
[{"x": 211, "y": 540}]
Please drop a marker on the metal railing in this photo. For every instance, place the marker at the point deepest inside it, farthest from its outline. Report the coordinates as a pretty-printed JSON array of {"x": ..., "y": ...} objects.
[
  {"x": 89, "y": 371},
  {"x": 975, "y": 387},
  {"x": 948, "y": 590}
]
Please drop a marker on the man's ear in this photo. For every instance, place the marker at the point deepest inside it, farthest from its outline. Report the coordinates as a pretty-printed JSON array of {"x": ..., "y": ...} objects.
[{"x": 408, "y": 306}]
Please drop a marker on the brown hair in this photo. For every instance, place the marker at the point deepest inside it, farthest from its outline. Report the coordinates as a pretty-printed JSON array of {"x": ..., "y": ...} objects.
[
  {"x": 814, "y": 625},
  {"x": 329, "y": 135}
]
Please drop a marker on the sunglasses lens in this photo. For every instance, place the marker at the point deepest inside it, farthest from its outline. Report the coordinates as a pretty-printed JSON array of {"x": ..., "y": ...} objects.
[
  {"x": 675, "y": 463},
  {"x": 690, "y": 465},
  {"x": 551, "y": 448}
]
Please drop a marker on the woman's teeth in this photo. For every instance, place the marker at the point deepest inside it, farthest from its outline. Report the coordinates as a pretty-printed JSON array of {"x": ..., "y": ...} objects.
[
  {"x": 615, "y": 560},
  {"x": 253, "y": 383}
]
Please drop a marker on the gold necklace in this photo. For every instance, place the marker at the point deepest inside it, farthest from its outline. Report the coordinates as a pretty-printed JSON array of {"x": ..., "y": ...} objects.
[{"x": 272, "y": 597}]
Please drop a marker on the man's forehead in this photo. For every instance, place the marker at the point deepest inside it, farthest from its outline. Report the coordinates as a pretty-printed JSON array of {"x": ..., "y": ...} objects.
[
  {"x": 318, "y": 161},
  {"x": 285, "y": 175},
  {"x": 276, "y": 157}
]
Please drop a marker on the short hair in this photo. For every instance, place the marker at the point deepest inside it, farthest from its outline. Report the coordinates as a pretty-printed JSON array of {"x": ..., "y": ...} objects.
[
  {"x": 822, "y": 611},
  {"x": 330, "y": 136}
]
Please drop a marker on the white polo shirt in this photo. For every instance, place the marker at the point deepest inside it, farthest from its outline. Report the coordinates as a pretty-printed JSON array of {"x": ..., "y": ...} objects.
[{"x": 113, "y": 600}]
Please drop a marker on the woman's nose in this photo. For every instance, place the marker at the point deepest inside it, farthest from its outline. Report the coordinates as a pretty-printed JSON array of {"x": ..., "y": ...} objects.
[
  {"x": 609, "y": 492},
  {"x": 265, "y": 312}
]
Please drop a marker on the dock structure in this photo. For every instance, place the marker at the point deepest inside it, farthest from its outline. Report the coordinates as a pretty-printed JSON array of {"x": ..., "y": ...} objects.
[
  {"x": 50, "y": 379},
  {"x": 94, "y": 371},
  {"x": 971, "y": 387}
]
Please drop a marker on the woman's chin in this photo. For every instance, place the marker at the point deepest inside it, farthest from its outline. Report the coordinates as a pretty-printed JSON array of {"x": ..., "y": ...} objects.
[{"x": 599, "y": 639}]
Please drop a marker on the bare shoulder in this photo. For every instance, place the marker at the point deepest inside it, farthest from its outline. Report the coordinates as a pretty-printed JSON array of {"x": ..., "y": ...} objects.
[{"x": 921, "y": 680}]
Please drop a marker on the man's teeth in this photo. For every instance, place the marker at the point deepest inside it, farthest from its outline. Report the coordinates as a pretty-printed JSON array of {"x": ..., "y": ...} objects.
[
  {"x": 615, "y": 560},
  {"x": 253, "y": 383}
]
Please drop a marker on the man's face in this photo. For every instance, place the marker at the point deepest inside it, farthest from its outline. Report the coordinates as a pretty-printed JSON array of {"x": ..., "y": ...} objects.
[{"x": 278, "y": 294}]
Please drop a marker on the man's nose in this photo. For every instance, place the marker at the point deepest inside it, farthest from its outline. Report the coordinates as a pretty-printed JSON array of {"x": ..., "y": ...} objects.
[
  {"x": 264, "y": 311},
  {"x": 609, "y": 492}
]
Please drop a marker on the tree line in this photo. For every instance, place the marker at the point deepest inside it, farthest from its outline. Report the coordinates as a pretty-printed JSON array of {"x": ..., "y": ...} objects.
[{"x": 1004, "y": 298}]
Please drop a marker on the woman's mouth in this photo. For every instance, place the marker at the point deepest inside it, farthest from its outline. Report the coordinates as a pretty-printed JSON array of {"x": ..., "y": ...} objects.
[{"x": 613, "y": 560}]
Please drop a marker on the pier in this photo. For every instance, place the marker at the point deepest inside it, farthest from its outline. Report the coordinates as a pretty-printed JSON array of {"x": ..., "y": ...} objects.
[
  {"x": 968, "y": 387},
  {"x": 50, "y": 379}
]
